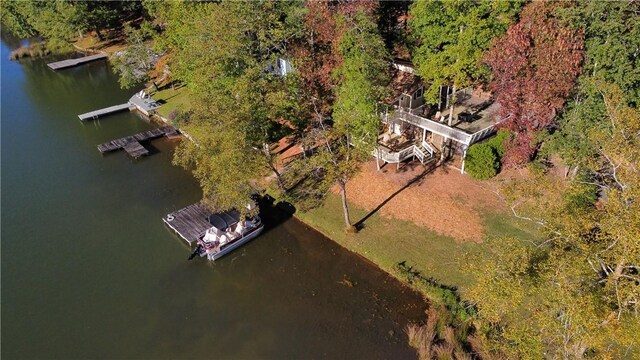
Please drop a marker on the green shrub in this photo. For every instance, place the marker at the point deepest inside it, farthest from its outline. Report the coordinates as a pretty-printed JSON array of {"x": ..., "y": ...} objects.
[
  {"x": 497, "y": 143},
  {"x": 437, "y": 293},
  {"x": 482, "y": 161}
]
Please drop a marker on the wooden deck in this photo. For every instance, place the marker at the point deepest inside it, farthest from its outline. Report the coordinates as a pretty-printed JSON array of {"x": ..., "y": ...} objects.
[
  {"x": 108, "y": 110},
  {"x": 75, "y": 62},
  {"x": 131, "y": 144},
  {"x": 190, "y": 223}
]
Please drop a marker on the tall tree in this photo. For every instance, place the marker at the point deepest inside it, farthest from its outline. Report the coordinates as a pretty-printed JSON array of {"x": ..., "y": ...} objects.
[
  {"x": 612, "y": 42},
  {"x": 451, "y": 37},
  {"x": 534, "y": 67},
  {"x": 361, "y": 79},
  {"x": 224, "y": 52}
]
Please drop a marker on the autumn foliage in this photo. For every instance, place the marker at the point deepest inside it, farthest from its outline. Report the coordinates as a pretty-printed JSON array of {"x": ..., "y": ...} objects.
[
  {"x": 316, "y": 54},
  {"x": 534, "y": 67}
]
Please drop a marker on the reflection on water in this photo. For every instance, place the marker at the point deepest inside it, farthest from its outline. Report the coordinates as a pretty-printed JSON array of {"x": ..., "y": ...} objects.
[{"x": 90, "y": 271}]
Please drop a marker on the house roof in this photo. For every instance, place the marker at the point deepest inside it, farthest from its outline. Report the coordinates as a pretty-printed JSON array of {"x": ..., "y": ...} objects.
[
  {"x": 403, "y": 83},
  {"x": 145, "y": 103},
  {"x": 404, "y": 65}
]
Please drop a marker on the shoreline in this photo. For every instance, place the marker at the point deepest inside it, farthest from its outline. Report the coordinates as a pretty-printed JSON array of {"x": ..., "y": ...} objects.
[
  {"x": 369, "y": 260},
  {"x": 391, "y": 271}
]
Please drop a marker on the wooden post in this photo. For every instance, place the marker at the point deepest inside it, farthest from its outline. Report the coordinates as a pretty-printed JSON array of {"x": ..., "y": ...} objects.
[
  {"x": 464, "y": 155},
  {"x": 445, "y": 142}
]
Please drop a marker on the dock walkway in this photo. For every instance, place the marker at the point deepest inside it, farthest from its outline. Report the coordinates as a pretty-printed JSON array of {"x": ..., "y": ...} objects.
[
  {"x": 105, "y": 111},
  {"x": 190, "y": 223},
  {"x": 131, "y": 144},
  {"x": 75, "y": 62}
]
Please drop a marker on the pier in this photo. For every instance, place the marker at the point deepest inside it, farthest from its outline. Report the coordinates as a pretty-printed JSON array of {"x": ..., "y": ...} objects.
[
  {"x": 108, "y": 110},
  {"x": 131, "y": 144},
  {"x": 139, "y": 101},
  {"x": 75, "y": 62},
  {"x": 189, "y": 223}
]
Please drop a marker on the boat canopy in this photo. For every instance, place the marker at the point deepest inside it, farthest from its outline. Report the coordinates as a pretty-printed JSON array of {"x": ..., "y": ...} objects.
[{"x": 225, "y": 219}]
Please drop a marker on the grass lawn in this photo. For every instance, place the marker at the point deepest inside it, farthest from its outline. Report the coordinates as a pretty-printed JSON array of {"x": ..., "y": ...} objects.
[
  {"x": 387, "y": 242},
  {"x": 175, "y": 99}
]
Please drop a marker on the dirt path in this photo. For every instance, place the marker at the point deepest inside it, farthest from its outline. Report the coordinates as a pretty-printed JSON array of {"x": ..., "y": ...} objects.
[{"x": 443, "y": 200}]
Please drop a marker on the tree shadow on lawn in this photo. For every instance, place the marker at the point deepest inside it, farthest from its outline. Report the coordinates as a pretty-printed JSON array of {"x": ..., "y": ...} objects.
[{"x": 416, "y": 180}]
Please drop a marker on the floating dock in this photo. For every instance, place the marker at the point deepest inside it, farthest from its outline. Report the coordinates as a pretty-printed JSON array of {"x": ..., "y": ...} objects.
[
  {"x": 189, "y": 223},
  {"x": 135, "y": 149},
  {"x": 105, "y": 111},
  {"x": 75, "y": 62},
  {"x": 131, "y": 144}
]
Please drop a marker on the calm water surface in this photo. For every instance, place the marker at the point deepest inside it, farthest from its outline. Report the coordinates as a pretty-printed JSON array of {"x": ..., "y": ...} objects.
[{"x": 90, "y": 271}]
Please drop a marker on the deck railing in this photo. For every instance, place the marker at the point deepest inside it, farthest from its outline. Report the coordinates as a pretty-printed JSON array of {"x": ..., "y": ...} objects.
[
  {"x": 393, "y": 157},
  {"x": 427, "y": 147},
  {"x": 442, "y": 129}
]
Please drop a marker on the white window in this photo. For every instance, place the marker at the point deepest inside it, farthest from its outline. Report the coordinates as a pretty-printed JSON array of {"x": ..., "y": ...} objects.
[{"x": 284, "y": 67}]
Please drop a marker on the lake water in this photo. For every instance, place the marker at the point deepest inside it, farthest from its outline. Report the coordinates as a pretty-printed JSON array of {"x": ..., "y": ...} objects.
[{"x": 90, "y": 271}]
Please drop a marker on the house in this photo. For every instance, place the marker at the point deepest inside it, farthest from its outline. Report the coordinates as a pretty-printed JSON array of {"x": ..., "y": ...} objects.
[{"x": 413, "y": 129}]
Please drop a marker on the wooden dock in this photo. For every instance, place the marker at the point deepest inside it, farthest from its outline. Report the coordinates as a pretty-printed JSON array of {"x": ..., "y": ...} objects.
[
  {"x": 75, "y": 62},
  {"x": 108, "y": 110},
  {"x": 189, "y": 223},
  {"x": 135, "y": 149},
  {"x": 131, "y": 144}
]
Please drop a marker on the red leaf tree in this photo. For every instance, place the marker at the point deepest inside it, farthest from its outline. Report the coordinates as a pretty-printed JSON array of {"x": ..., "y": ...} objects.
[
  {"x": 534, "y": 65},
  {"x": 316, "y": 53}
]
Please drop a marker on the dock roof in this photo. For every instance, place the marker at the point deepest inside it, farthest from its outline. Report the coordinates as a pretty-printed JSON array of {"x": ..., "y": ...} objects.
[{"x": 145, "y": 103}]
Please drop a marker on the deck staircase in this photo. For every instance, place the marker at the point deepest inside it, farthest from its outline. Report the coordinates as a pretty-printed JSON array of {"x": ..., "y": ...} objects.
[{"x": 424, "y": 152}]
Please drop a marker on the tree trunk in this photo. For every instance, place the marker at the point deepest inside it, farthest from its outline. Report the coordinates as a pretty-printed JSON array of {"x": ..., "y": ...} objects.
[
  {"x": 345, "y": 207},
  {"x": 278, "y": 177},
  {"x": 453, "y": 102},
  {"x": 267, "y": 153},
  {"x": 98, "y": 34}
]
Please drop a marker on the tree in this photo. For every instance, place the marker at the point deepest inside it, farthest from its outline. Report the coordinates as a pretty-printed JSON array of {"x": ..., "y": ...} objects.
[
  {"x": 451, "y": 37},
  {"x": 361, "y": 78},
  {"x": 223, "y": 52},
  {"x": 577, "y": 292},
  {"x": 134, "y": 63},
  {"x": 54, "y": 21},
  {"x": 611, "y": 42},
  {"x": 534, "y": 67},
  {"x": 101, "y": 15},
  {"x": 58, "y": 21}
]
